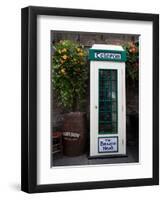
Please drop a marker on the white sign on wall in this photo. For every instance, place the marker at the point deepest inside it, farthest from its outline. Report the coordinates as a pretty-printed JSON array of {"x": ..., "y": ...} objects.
[{"x": 107, "y": 144}]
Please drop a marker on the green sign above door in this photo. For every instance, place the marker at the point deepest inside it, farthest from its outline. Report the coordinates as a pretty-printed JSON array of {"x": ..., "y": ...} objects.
[{"x": 107, "y": 55}]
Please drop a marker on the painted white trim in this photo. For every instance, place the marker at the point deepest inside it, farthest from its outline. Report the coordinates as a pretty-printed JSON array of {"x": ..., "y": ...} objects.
[
  {"x": 107, "y": 47},
  {"x": 94, "y": 99}
]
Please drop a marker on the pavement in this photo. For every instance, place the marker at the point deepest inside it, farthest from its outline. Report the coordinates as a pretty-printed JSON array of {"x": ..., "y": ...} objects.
[{"x": 132, "y": 156}]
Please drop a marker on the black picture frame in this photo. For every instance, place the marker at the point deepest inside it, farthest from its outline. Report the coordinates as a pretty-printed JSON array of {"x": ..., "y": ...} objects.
[{"x": 29, "y": 99}]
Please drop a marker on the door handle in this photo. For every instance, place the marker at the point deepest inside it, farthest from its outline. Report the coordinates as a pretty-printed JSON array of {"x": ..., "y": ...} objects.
[{"x": 96, "y": 107}]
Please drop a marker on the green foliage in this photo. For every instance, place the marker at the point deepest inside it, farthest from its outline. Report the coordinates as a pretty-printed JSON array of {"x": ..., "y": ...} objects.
[
  {"x": 132, "y": 64},
  {"x": 69, "y": 73}
]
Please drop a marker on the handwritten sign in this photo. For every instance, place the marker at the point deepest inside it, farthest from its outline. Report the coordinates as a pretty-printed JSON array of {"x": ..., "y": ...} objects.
[{"x": 107, "y": 144}]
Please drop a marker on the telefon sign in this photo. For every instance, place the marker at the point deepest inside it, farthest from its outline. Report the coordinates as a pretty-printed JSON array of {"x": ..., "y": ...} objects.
[{"x": 111, "y": 56}]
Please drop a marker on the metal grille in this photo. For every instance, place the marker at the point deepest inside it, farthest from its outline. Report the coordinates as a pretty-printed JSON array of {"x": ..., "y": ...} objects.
[{"x": 108, "y": 112}]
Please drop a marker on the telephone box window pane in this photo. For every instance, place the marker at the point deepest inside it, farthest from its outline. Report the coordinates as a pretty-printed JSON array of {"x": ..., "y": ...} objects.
[
  {"x": 114, "y": 106},
  {"x": 114, "y": 86},
  {"x": 114, "y": 75},
  {"x": 105, "y": 107},
  {"x": 108, "y": 101},
  {"x": 105, "y": 128},
  {"x": 114, "y": 117}
]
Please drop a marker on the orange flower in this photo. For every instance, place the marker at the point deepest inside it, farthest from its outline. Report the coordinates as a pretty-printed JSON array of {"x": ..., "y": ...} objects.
[
  {"x": 130, "y": 50},
  {"x": 64, "y": 57},
  {"x": 63, "y": 71},
  {"x": 78, "y": 49},
  {"x": 80, "y": 54},
  {"x": 133, "y": 50},
  {"x": 64, "y": 50}
]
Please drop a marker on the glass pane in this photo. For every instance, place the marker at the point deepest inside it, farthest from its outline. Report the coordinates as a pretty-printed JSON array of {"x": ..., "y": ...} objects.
[
  {"x": 104, "y": 128},
  {"x": 114, "y": 117},
  {"x": 114, "y": 86},
  {"x": 114, "y": 74},
  {"x": 107, "y": 101},
  {"x": 114, "y": 106}
]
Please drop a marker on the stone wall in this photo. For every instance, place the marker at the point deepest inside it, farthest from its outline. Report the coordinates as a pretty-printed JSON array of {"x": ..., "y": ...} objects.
[{"x": 88, "y": 39}]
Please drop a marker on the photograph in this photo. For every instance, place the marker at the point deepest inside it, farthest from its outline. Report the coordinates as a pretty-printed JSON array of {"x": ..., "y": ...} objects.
[
  {"x": 94, "y": 98},
  {"x": 90, "y": 93}
]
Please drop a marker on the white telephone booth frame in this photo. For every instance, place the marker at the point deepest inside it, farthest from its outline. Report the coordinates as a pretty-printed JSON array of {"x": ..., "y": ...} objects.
[{"x": 106, "y": 59}]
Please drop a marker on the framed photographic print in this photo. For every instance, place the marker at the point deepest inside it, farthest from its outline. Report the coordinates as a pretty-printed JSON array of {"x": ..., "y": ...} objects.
[{"x": 90, "y": 99}]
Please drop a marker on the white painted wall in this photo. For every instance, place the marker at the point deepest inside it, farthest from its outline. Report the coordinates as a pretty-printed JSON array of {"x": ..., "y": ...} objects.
[{"x": 10, "y": 99}]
